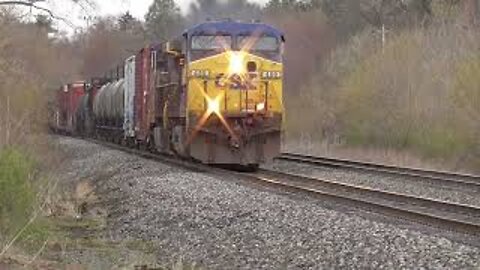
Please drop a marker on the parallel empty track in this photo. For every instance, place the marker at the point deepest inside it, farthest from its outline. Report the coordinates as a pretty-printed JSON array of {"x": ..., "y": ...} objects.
[
  {"x": 467, "y": 181},
  {"x": 445, "y": 215}
]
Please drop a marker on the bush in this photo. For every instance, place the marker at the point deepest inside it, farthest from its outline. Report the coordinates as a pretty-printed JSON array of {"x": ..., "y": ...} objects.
[
  {"x": 17, "y": 196},
  {"x": 465, "y": 92},
  {"x": 309, "y": 40},
  {"x": 315, "y": 101},
  {"x": 418, "y": 94},
  {"x": 399, "y": 97}
]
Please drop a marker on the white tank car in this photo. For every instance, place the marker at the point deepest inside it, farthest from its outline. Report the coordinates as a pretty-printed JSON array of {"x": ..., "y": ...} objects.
[
  {"x": 98, "y": 107},
  {"x": 109, "y": 103},
  {"x": 117, "y": 112}
]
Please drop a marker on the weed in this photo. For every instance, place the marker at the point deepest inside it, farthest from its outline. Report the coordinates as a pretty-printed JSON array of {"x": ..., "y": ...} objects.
[{"x": 17, "y": 196}]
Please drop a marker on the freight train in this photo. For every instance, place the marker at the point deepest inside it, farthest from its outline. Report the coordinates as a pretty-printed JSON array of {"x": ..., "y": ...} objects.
[{"x": 214, "y": 94}]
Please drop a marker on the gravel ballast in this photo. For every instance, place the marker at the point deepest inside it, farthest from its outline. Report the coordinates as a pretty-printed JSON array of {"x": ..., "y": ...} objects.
[
  {"x": 221, "y": 224},
  {"x": 381, "y": 181}
]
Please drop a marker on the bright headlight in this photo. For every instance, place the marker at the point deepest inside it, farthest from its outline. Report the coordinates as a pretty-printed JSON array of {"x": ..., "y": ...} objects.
[
  {"x": 236, "y": 63},
  {"x": 213, "y": 105}
]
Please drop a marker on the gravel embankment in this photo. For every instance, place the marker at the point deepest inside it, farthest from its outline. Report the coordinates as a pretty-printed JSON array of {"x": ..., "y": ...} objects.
[
  {"x": 398, "y": 184},
  {"x": 221, "y": 224}
]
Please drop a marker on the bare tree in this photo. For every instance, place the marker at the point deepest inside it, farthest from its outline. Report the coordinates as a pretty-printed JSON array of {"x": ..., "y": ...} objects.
[
  {"x": 470, "y": 8},
  {"x": 34, "y": 5}
]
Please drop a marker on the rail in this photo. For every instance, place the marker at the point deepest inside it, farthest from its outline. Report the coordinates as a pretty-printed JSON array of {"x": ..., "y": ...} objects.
[
  {"x": 468, "y": 181},
  {"x": 464, "y": 219}
]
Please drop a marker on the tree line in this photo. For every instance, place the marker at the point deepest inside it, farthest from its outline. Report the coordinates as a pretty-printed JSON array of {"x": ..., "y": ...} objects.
[
  {"x": 164, "y": 18},
  {"x": 348, "y": 16}
]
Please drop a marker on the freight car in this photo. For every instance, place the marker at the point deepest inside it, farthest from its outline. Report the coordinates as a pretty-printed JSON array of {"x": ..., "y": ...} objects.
[
  {"x": 63, "y": 115},
  {"x": 213, "y": 94}
]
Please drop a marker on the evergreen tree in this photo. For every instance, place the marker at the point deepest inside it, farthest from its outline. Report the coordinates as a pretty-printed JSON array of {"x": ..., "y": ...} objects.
[
  {"x": 291, "y": 5},
  {"x": 163, "y": 20},
  {"x": 44, "y": 22},
  {"x": 125, "y": 21},
  {"x": 242, "y": 10}
]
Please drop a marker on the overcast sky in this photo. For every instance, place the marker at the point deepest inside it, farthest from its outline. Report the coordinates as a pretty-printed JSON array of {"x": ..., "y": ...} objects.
[
  {"x": 137, "y": 8},
  {"x": 140, "y": 7}
]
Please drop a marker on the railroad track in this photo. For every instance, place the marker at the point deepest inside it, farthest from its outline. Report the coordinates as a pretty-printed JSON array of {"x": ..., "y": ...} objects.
[
  {"x": 456, "y": 180},
  {"x": 460, "y": 218},
  {"x": 464, "y": 219}
]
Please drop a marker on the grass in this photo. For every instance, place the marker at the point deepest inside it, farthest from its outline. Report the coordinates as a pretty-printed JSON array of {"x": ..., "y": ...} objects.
[
  {"x": 17, "y": 194},
  {"x": 59, "y": 238},
  {"x": 21, "y": 225}
]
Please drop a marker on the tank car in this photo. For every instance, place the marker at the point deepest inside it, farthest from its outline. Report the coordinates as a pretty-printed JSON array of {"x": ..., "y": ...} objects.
[{"x": 108, "y": 110}]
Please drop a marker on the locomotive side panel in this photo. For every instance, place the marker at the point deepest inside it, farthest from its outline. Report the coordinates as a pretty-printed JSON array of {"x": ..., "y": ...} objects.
[{"x": 170, "y": 122}]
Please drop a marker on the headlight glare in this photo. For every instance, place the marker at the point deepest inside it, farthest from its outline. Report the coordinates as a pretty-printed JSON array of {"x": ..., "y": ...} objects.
[{"x": 260, "y": 106}]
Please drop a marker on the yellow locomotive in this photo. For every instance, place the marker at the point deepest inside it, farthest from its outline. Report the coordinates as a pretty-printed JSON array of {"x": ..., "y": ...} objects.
[{"x": 234, "y": 81}]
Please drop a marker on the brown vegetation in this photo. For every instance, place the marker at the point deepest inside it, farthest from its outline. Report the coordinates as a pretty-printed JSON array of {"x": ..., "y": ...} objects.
[
  {"x": 106, "y": 43},
  {"x": 305, "y": 32},
  {"x": 23, "y": 72},
  {"x": 416, "y": 93},
  {"x": 32, "y": 65}
]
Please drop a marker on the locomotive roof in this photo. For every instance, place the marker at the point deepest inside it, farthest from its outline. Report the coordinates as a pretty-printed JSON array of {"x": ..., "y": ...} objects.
[{"x": 233, "y": 28}]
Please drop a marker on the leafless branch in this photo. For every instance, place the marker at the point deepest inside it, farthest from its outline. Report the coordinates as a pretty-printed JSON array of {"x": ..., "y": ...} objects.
[
  {"x": 32, "y": 5},
  {"x": 88, "y": 3}
]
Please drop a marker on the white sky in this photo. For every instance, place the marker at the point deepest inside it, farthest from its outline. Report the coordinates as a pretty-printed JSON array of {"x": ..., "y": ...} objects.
[{"x": 137, "y": 8}]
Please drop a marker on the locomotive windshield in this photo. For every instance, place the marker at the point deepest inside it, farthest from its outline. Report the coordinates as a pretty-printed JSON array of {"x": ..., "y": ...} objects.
[
  {"x": 211, "y": 42},
  {"x": 205, "y": 45},
  {"x": 264, "y": 43}
]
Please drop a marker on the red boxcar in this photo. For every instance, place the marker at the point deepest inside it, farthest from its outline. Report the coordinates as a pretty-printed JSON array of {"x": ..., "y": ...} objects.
[{"x": 68, "y": 99}]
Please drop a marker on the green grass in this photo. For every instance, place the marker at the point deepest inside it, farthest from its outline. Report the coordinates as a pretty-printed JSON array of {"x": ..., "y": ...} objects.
[
  {"x": 21, "y": 197},
  {"x": 18, "y": 199},
  {"x": 17, "y": 194}
]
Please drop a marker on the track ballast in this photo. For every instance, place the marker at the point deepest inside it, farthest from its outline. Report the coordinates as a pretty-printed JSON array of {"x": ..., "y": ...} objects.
[
  {"x": 450, "y": 179},
  {"x": 464, "y": 219}
]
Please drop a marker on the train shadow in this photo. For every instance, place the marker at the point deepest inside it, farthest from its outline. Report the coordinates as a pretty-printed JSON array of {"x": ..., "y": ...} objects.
[{"x": 237, "y": 167}]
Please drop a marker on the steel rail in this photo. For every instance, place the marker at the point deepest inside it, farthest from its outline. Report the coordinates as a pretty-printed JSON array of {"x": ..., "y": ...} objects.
[
  {"x": 452, "y": 179},
  {"x": 459, "y": 218},
  {"x": 453, "y": 217}
]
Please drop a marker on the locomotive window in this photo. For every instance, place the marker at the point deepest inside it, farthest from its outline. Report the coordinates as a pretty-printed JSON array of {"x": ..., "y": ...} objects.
[
  {"x": 211, "y": 42},
  {"x": 252, "y": 43}
]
